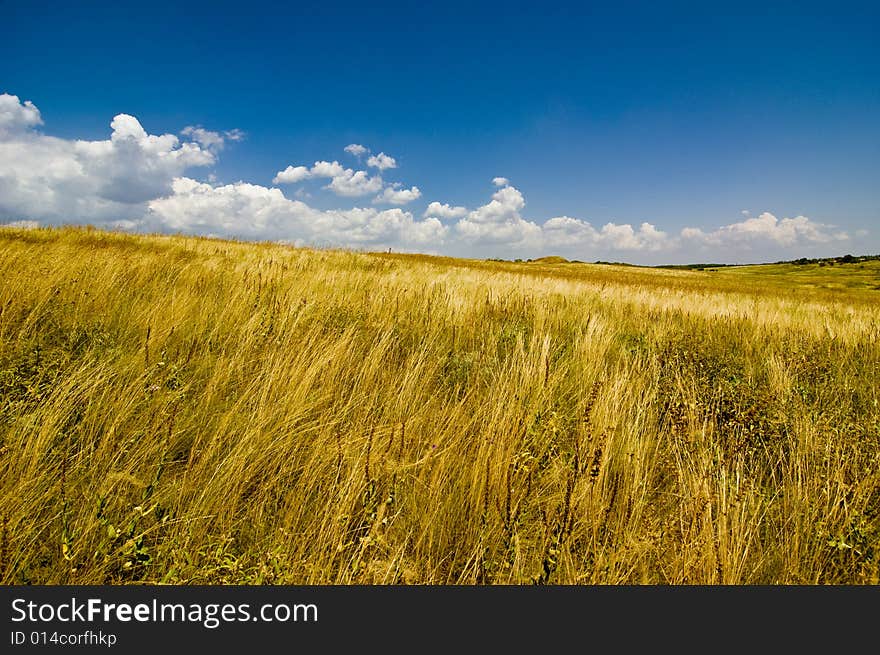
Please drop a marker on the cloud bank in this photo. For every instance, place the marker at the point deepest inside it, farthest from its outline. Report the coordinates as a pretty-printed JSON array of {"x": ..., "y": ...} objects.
[
  {"x": 258, "y": 212},
  {"x": 141, "y": 181}
]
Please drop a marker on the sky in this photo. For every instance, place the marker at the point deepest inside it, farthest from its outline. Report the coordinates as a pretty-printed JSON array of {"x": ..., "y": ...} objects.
[{"x": 648, "y": 133}]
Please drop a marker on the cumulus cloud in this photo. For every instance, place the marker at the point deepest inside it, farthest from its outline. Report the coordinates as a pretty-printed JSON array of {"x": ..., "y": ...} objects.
[
  {"x": 135, "y": 180},
  {"x": 445, "y": 211},
  {"x": 356, "y": 149},
  {"x": 205, "y": 138},
  {"x": 292, "y": 175},
  {"x": 17, "y": 116},
  {"x": 764, "y": 229},
  {"x": 499, "y": 222},
  {"x": 382, "y": 161},
  {"x": 343, "y": 181},
  {"x": 354, "y": 184},
  {"x": 761, "y": 234},
  {"x": 209, "y": 139},
  {"x": 58, "y": 180},
  {"x": 567, "y": 233},
  {"x": 253, "y": 211},
  {"x": 330, "y": 169},
  {"x": 396, "y": 196},
  {"x": 624, "y": 237}
]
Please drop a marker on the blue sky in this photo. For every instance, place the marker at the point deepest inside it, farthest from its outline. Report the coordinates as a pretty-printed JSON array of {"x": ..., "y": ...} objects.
[{"x": 742, "y": 133}]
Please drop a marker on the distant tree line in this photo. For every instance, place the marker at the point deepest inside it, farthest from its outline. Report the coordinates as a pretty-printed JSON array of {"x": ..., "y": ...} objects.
[
  {"x": 831, "y": 261},
  {"x": 803, "y": 261}
]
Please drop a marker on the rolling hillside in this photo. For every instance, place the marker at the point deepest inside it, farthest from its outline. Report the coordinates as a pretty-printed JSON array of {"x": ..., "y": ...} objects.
[{"x": 187, "y": 410}]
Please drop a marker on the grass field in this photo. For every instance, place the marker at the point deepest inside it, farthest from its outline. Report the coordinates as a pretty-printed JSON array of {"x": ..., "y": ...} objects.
[{"x": 185, "y": 410}]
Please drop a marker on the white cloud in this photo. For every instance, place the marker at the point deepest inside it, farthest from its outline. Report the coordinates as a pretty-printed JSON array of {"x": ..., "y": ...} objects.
[
  {"x": 330, "y": 169},
  {"x": 624, "y": 237},
  {"x": 292, "y": 175},
  {"x": 765, "y": 229},
  {"x": 58, "y": 180},
  {"x": 209, "y": 139},
  {"x": 356, "y": 149},
  {"x": 398, "y": 197},
  {"x": 343, "y": 181},
  {"x": 205, "y": 138},
  {"x": 445, "y": 211},
  {"x": 382, "y": 161},
  {"x": 500, "y": 181},
  {"x": 354, "y": 184},
  {"x": 568, "y": 233},
  {"x": 564, "y": 230},
  {"x": 253, "y": 211},
  {"x": 499, "y": 222},
  {"x": 17, "y": 116}
]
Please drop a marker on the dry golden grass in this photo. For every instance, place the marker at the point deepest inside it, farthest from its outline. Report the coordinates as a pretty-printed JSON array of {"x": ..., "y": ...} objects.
[{"x": 185, "y": 410}]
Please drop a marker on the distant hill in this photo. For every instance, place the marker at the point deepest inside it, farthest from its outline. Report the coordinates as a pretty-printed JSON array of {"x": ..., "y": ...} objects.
[{"x": 549, "y": 260}]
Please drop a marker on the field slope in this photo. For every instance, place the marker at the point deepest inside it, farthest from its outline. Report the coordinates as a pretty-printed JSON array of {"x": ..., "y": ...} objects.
[{"x": 186, "y": 410}]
